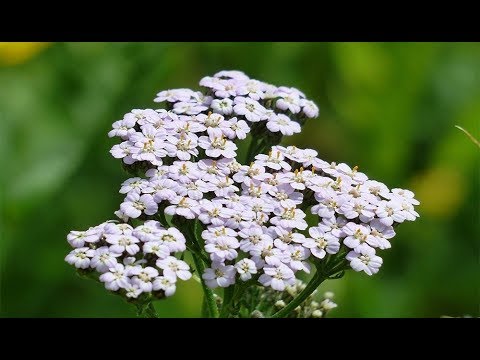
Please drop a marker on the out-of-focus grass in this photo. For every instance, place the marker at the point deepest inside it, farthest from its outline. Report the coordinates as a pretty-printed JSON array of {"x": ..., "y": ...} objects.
[{"x": 389, "y": 108}]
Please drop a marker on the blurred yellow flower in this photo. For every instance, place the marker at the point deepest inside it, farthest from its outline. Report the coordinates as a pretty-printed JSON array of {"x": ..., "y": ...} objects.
[
  {"x": 440, "y": 190},
  {"x": 13, "y": 53}
]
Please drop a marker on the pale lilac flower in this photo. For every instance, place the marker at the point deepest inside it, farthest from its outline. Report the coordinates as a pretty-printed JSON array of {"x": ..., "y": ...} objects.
[
  {"x": 184, "y": 147},
  {"x": 162, "y": 189},
  {"x": 115, "y": 278},
  {"x": 121, "y": 243},
  {"x": 166, "y": 284},
  {"x": 278, "y": 277},
  {"x": 246, "y": 268},
  {"x": 309, "y": 108},
  {"x": 237, "y": 129},
  {"x": 79, "y": 238},
  {"x": 174, "y": 95},
  {"x": 80, "y": 257},
  {"x": 173, "y": 239},
  {"x": 123, "y": 128},
  {"x": 289, "y": 101},
  {"x": 134, "y": 205},
  {"x": 219, "y": 275},
  {"x": 252, "y": 236},
  {"x": 124, "y": 151},
  {"x": 157, "y": 248},
  {"x": 104, "y": 259},
  {"x": 232, "y": 74},
  {"x": 358, "y": 237},
  {"x": 354, "y": 174},
  {"x": 294, "y": 256},
  {"x": 188, "y": 108},
  {"x": 172, "y": 267},
  {"x": 282, "y": 123},
  {"x": 183, "y": 171},
  {"x": 358, "y": 208},
  {"x": 283, "y": 237},
  {"x": 183, "y": 206},
  {"x": 251, "y": 109},
  {"x": 274, "y": 160},
  {"x": 382, "y": 233},
  {"x": 365, "y": 260},
  {"x": 222, "y": 106},
  {"x": 217, "y": 146},
  {"x": 135, "y": 184},
  {"x": 404, "y": 195},
  {"x": 132, "y": 290},
  {"x": 389, "y": 212},
  {"x": 333, "y": 225},
  {"x": 321, "y": 243},
  {"x": 143, "y": 277},
  {"x": 287, "y": 216},
  {"x": 213, "y": 212},
  {"x": 222, "y": 249}
]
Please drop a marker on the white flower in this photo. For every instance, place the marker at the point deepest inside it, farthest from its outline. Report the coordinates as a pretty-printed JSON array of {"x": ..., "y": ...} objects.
[
  {"x": 282, "y": 123},
  {"x": 358, "y": 237},
  {"x": 79, "y": 238},
  {"x": 149, "y": 231},
  {"x": 133, "y": 184},
  {"x": 222, "y": 106},
  {"x": 183, "y": 171},
  {"x": 172, "y": 267},
  {"x": 123, "y": 151},
  {"x": 309, "y": 108},
  {"x": 274, "y": 160},
  {"x": 184, "y": 147},
  {"x": 217, "y": 146},
  {"x": 365, "y": 260},
  {"x": 246, "y": 268},
  {"x": 238, "y": 129},
  {"x": 251, "y": 109},
  {"x": 121, "y": 243},
  {"x": 389, "y": 212},
  {"x": 219, "y": 275},
  {"x": 333, "y": 225},
  {"x": 252, "y": 236},
  {"x": 80, "y": 257},
  {"x": 321, "y": 243},
  {"x": 132, "y": 290},
  {"x": 115, "y": 278},
  {"x": 134, "y": 205},
  {"x": 289, "y": 217},
  {"x": 222, "y": 249},
  {"x": 173, "y": 239},
  {"x": 143, "y": 277},
  {"x": 157, "y": 248},
  {"x": 123, "y": 128},
  {"x": 382, "y": 233},
  {"x": 278, "y": 277},
  {"x": 165, "y": 283},
  {"x": 183, "y": 206},
  {"x": 104, "y": 259},
  {"x": 294, "y": 256}
]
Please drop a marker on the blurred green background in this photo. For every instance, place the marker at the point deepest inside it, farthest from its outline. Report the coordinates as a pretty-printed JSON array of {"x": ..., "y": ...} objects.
[{"x": 389, "y": 108}]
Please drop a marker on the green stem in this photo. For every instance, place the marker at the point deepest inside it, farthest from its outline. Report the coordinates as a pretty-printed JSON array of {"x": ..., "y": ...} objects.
[
  {"x": 207, "y": 292},
  {"x": 227, "y": 300},
  {"x": 309, "y": 289}
]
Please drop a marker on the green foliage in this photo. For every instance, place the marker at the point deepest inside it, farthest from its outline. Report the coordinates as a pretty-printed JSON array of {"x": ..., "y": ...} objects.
[{"x": 389, "y": 108}]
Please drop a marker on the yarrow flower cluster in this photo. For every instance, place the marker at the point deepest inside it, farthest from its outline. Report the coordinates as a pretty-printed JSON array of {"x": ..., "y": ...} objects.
[{"x": 246, "y": 222}]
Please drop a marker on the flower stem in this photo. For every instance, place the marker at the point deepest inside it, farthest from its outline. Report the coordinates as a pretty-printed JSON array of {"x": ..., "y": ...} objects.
[
  {"x": 227, "y": 300},
  {"x": 207, "y": 292},
  {"x": 317, "y": 279}
]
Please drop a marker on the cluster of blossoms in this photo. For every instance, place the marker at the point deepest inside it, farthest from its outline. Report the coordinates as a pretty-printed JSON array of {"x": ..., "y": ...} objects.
[
  {"x": 261, "y": 302},
  {"x": 131, "y": 260},
  {"x": 252, "y": 216}
]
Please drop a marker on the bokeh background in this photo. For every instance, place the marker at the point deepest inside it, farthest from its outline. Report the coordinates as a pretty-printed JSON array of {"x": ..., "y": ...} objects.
[{"x": 389, "y": 108}]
